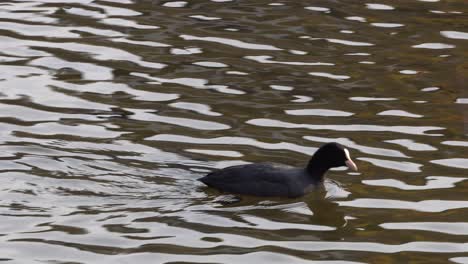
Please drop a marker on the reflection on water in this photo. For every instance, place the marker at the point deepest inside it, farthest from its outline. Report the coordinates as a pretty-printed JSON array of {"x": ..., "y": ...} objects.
[{"x": 110, "y": 110}]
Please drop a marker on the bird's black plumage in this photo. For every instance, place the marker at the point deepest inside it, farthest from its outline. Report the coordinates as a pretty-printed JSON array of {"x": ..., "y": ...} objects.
[{"x": 266, "y": 179}]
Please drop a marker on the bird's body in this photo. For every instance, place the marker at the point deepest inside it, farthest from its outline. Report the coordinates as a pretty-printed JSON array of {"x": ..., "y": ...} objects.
[
  {"x": 267, "y": 179},
  {"x": 261, "y": 179}
]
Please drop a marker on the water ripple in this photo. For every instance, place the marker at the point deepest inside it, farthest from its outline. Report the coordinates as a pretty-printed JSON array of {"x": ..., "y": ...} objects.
[
  {"x": 395, "y": 165},
  {"x": 330, "y": 76},
  {"x": 267, "y": 59},
  {"x": 432, "y": 206},
  {"x": 192, "y": 82},
  {"x": 461, "y": 163},
  {"x": 411, "y": 145},
  {"x": 364, "y": 149},
  {"x": 318, "y": 112},
  {"x": 433, "y": 182},
  {"x": 399, "y": 113},
  {"x": 454, "y": 34},
  {"x": 434, "y": 46},
  {"x": 234, "y": 141},
  {"x": 148, "y": 115},
  {"x": 415, "y": 130},
  {"x": 97, "y": 52},
  {"x": 231, "y": 42},
  {"x": 379, "y": 7},
  {"x": 447, "y": 228},
  {"x": 349, "y": 43}
]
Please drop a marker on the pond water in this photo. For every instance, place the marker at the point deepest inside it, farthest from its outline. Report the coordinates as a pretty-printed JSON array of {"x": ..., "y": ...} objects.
[{"x": 110, "y": 110}]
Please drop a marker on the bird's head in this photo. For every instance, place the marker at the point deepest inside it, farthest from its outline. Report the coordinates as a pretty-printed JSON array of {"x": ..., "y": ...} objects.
[{"x": 331, "y": 155}]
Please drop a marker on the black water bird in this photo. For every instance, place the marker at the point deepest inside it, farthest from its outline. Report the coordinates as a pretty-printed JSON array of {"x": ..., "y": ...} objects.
[{"x": 267, "y": 179}]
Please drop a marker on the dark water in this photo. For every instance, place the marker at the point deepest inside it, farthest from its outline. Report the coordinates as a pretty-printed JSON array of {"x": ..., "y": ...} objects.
[{"x": 109, "y": 111}]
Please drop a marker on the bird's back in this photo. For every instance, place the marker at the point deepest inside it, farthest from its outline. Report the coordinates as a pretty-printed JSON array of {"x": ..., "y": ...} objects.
[{"x": 260, "y": 179}]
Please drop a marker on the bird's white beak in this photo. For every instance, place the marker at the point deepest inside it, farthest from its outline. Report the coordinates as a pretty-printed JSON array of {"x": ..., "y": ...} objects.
[
  {"x": 351, "y": 165},
  {"x": 349, "y": 162}
]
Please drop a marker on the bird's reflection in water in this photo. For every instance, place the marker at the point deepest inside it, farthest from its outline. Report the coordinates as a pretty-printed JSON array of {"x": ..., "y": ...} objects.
[{"x": 316, "y": 208}]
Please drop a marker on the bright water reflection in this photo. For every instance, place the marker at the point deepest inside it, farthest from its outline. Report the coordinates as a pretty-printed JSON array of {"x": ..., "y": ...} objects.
[{"x": 109, "y": 111}]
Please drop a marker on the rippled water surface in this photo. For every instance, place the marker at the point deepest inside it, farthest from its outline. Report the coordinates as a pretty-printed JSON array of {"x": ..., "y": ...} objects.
[{"x": 111, "y": 109}]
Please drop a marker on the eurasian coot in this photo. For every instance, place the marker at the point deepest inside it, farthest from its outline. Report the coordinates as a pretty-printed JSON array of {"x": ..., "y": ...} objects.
[{"x": 266, "y": 179}]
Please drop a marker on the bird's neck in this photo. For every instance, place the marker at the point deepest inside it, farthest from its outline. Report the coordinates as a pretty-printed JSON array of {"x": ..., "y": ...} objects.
[{"x": 316, "y": 169}]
